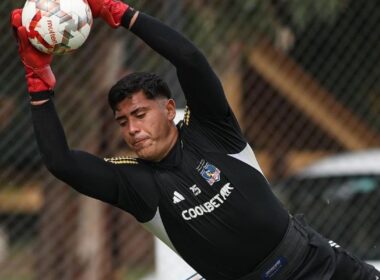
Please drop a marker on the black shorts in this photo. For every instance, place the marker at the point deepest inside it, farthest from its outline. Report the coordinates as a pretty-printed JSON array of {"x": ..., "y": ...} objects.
[
  {"x": 349, "y": 267},
  {"x": 324, "y": 259},
  {"x": 304, "y": 254}
]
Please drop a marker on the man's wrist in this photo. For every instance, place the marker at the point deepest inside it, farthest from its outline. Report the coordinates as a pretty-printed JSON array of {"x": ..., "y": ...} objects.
[
  {"x": 133, "y": 20},
  {"x": 39, "y": 103}
]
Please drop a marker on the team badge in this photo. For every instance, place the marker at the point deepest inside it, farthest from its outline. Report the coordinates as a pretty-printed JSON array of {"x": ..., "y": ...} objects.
[{"x": 210, "y": 173}]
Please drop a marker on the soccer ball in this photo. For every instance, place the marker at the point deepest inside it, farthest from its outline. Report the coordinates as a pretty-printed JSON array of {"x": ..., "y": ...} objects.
[{"x": 57, "y": 26}]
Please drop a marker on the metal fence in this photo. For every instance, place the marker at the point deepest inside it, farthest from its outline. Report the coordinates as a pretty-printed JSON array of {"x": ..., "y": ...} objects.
[{"x": 302, "y": 77}]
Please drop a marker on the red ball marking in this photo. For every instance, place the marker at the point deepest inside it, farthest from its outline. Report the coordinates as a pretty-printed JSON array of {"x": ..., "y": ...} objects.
[{"x": 34, "y": 34}]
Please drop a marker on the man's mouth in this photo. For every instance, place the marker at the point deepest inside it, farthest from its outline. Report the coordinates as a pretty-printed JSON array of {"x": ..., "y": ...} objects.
[{"x": 139, "y": 142}]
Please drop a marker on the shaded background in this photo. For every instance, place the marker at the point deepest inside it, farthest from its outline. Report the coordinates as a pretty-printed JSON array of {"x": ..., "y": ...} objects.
[{"x": 301, "y": 75}]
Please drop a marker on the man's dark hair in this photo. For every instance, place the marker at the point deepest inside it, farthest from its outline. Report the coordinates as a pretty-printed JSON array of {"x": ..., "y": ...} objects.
[{"x": 151, "y": 84}]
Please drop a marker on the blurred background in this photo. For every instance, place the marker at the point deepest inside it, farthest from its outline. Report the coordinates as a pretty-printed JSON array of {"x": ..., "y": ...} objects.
[{"x": 302, "y": 76}]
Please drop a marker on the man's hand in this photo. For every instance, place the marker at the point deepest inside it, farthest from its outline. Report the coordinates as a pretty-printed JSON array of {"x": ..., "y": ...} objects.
[
  {"x": 39, "y": 75},
  {"x": 111, "y": 11}
]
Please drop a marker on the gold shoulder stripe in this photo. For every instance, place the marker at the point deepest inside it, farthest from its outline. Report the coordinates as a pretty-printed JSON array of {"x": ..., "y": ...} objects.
[
  {"x": 122, "y": 160},
  {"x": 186, "y": 118}
]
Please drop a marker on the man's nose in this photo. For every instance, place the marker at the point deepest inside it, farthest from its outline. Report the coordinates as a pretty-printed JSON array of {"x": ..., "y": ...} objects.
[{"x": 133, "y": 128}]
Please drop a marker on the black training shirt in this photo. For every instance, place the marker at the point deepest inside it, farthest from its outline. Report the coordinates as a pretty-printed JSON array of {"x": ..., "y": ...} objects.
[{"x": 208, "y": 199}]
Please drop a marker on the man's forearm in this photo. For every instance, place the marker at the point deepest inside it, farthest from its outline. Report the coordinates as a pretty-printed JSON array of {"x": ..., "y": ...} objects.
[
  {"x": 163, "y": 39},
  {"x": 86, "y": 173},
  {"x": 197, "y": 78},
  {"x": 49, "y": 133}
]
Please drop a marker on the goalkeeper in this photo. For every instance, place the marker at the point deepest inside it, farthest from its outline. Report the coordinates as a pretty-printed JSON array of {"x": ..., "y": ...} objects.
[{"x": 197, "y": 186}]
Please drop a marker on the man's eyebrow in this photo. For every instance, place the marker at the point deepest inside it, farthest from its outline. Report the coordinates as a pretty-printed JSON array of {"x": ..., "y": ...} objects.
[
  {"x": 134, "y": 112},
  {"x": 138, "y": 110},
  {"x": 118, "y": 118}
]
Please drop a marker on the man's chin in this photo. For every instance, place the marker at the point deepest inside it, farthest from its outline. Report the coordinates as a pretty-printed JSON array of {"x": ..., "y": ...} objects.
[{"x": 146, "y": 154}]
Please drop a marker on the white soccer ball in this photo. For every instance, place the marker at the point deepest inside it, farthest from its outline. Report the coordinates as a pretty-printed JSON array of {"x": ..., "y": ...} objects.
[{"x": 57, "y": 26}]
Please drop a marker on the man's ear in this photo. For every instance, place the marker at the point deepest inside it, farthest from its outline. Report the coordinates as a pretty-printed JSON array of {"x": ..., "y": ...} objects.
[{"x": 171, "y": 109}]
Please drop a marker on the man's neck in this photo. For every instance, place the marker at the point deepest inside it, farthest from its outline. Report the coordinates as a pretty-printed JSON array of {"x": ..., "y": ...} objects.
[{"x": 172, "y": 140}]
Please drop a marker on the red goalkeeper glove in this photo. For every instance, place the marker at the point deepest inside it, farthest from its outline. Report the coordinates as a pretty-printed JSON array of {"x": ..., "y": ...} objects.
[
  {"x": 39, "y": 76},
  {"x": 111, "y": 11}
]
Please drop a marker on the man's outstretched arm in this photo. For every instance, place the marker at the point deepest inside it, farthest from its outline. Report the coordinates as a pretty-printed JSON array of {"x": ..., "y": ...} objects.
[
  {"x": 199, "y": 82},
  {"x": 76, "y": 169},
  {"x": 202, "y": 88},
  {"x": 129, "y": 187}
]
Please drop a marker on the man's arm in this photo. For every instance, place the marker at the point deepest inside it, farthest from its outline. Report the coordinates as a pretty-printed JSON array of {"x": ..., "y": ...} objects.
[
  {"x": 130, "y": 188},
  {"x": 86, "y": 173},
  {"x": 202, "y": 88},
  {"x": 65, "y": 164}
]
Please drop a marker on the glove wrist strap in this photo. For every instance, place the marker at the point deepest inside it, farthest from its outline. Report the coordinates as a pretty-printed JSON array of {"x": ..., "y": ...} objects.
[
  {"x": 41, "y": 95},
  {"x": 127, "y": 17}
]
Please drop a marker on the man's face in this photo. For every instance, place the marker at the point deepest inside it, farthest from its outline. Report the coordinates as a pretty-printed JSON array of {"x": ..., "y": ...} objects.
[{"x": 147, "y": 125}]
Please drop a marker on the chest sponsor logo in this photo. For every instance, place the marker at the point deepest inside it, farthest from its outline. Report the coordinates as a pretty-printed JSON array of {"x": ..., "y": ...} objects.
[
  {"x": 210, "y": 205},
  {"x": 177, "y": 197},
  {"x": 209, "y": 172}
]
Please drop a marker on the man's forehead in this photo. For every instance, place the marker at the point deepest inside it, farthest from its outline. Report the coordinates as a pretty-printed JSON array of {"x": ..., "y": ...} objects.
[
  {"x": 134, "y": 100},
  {"x": 129, "y": 106}
]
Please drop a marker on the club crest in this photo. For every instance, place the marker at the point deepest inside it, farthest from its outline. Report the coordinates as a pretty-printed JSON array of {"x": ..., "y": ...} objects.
[{"x": 210, "y": 173}]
